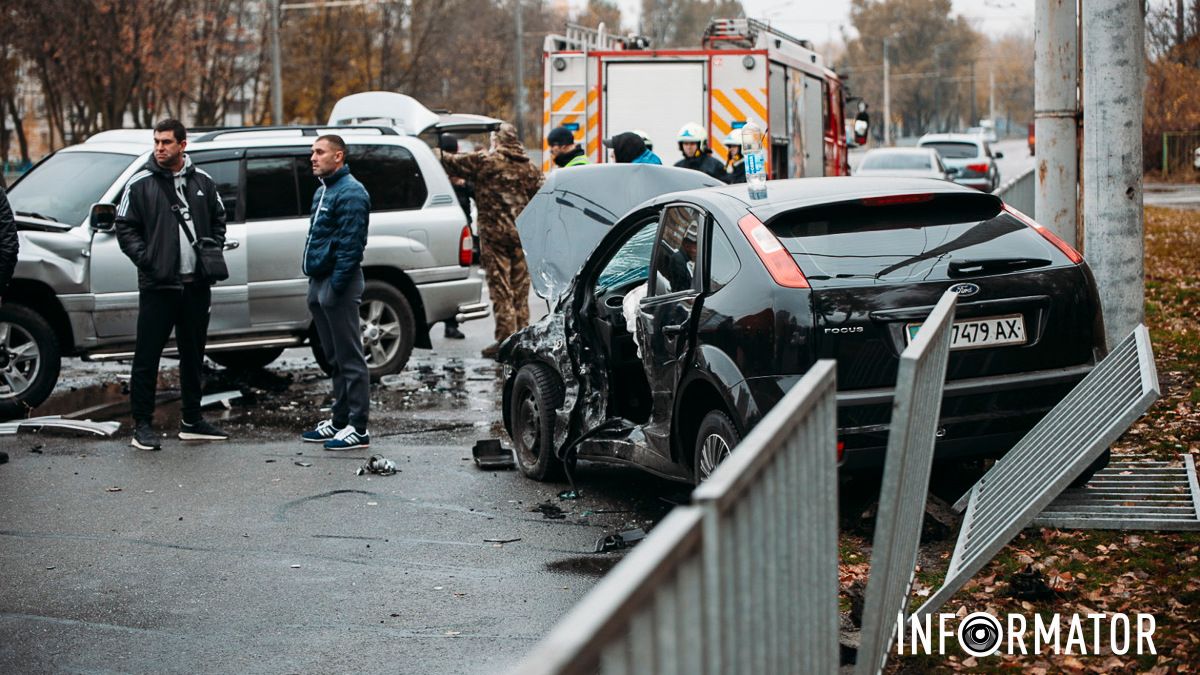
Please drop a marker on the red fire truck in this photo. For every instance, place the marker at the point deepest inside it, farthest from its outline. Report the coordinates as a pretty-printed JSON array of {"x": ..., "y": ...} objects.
[{"x": 599, "y": 85}]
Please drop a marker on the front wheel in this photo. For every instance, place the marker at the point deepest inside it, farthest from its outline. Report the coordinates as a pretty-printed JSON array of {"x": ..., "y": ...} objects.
[
  {"x": 715, "y": 440},
  {"x": 537, "y": 394},
  {"x": 29, "y": 360}
]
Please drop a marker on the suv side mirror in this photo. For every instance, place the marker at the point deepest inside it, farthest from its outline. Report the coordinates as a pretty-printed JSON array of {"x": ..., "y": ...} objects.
[
  {"x": 952, "y": 171},
  {"x": 104, "y": 217},
  {"x": 998, "y": 155}
]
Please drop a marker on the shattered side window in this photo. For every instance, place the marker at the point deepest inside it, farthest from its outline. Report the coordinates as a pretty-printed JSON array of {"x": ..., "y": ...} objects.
[{"x": 631, "y": 262}]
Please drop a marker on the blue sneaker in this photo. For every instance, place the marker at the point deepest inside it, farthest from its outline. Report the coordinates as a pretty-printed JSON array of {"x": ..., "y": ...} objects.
[
  {"x": 325, "y": 431},
  {"x": 348, "y": 438}
]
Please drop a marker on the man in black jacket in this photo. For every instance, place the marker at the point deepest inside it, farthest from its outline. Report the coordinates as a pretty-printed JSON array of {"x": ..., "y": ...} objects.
[{"x": 168, "y": 195}]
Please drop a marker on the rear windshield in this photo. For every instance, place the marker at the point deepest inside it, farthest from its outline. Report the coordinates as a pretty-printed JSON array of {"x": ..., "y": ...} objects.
[
  {"x": 949, "y": 238},
  {"x": 896, "y": 160},
  {"x": 954, "y": 149},
  {"x": 64, "y": 187}
]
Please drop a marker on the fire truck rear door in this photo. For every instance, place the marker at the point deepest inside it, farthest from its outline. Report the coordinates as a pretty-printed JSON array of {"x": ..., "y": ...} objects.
[{"x": 657, "y": 97}]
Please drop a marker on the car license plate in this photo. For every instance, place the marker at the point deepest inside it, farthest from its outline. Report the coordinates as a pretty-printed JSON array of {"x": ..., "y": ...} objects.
[{"x": 987, "y": 332}]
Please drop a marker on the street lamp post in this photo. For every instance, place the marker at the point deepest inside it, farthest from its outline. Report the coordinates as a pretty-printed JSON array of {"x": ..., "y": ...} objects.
[
  {"x": 276, "y": 69},
  {"x": 887, "y": 98}
]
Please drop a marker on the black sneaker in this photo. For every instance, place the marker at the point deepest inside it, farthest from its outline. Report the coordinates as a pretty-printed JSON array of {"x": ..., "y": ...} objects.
[
  {"x": 454, "y": 333},
  {"x": 144, "y": 437},
  {"x": 200, "y": 431}
]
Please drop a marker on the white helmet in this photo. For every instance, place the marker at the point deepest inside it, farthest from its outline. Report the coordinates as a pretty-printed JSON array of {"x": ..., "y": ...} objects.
[
  {"x": 734, "y": 138},
  {"x": 692, "y": 133},
  {"x": 646, "y": 139}
]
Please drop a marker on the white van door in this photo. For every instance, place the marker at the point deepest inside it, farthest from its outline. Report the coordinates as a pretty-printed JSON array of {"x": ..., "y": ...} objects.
[{"x": 657, "y": 97}]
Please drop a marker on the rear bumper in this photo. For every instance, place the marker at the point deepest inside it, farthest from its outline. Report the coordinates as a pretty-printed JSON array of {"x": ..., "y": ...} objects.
[{"x": 449, "y": 299}]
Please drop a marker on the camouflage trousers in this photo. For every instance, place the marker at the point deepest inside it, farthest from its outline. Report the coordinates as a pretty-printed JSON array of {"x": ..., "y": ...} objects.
[{"x": 503, "y": 261}]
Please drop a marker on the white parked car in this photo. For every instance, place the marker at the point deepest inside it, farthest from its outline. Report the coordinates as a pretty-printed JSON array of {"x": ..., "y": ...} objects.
[{"x": 908, "y": 162}]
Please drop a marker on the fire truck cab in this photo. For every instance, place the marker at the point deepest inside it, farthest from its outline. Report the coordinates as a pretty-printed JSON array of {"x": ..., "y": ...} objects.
[{"x": 599, "y": 85}]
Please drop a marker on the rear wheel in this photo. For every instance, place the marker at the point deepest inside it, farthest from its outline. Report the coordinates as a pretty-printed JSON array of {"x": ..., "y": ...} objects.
[
  {"x": 715, "y": 440},
  {"x": 29, "y": 360},
  {"x": 536, "y": 394},
  {"x": 246, "y": 359}
]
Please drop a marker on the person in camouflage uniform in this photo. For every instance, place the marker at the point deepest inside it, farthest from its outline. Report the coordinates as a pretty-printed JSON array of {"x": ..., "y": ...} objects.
[{"x": 505, "y": 180}]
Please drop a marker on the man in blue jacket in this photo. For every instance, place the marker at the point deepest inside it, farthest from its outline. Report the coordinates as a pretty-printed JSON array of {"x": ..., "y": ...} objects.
[{"x": 337, "y": 235}]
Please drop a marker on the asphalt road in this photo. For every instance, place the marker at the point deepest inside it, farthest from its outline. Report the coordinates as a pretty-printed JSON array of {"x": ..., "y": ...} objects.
[{"x": 263, "y": 554}]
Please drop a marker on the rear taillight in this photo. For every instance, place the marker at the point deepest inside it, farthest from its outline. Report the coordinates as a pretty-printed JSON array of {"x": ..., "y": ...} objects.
[
  {"x": 841, "y": 446},
  {"x": 771, "y": 252},
  {"x": 978, "y": 168},
  {"x": 465, "y": 247},
  {"x": 1050, "y": 236}
]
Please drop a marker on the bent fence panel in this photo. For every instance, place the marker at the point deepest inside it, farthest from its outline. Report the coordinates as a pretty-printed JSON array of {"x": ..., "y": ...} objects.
[
  {"x": 1052, "y": 455},
  {"x": 770, "y": 540},
  {"x": 901, "y": 510}
]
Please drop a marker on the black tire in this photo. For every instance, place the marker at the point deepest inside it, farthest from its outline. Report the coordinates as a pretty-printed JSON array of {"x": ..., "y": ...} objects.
[
  {"x": 715, "y": 439},
  {"x": 29, "y": 360},
  {"x": 536, "y": 393},
  {"x": 1100, "y": 463},
  {"x": 246, "y": 359},
  {"x": 384, "y": 356}
]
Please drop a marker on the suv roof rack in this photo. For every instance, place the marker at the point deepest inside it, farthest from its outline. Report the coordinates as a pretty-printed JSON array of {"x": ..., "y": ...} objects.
[{"x": 304, "y": 130}]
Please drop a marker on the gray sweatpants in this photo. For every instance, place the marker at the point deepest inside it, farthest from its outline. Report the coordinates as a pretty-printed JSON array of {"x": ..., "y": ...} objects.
[{"x": 336, "y": 318}]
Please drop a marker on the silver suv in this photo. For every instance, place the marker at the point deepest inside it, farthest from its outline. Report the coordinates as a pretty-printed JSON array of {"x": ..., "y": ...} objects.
[{"x": 75, "y": 293}]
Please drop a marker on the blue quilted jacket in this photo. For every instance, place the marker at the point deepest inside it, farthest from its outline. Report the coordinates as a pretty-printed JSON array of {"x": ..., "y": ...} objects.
[{"x": 337, "y": 231}]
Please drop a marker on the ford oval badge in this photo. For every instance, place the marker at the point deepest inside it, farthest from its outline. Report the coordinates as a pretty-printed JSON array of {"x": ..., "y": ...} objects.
[{"x": 965, "y": 289}]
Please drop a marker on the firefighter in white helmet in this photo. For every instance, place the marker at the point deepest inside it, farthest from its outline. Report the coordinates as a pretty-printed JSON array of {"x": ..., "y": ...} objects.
[
  {"x": 693, "y": 143},
  {"x": 735, "y": 165}
]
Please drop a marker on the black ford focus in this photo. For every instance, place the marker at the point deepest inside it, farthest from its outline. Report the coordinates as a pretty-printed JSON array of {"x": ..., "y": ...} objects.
[{"x": 681, "y": 313}]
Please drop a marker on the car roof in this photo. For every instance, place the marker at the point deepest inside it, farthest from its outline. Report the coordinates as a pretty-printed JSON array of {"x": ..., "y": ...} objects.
[
  {"x": 900, "y": 151},
  {"x": 800, "y": 193},
  {"x": 955, "y": 138}
]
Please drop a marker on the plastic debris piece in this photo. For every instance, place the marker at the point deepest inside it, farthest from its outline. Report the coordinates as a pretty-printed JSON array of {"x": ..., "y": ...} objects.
[
  {"x": 114, "y": 489},
  {"x": 295, "y": 567},
  {"x": 59, "y": 423},
  {"x": 549, "y": 511},
  {"x": 305, "y": 464},
  {"x": 37, "y": 449},
  {"x": 221, "y": 397},
  {"x": 570, "y": 494},
  {"x": 490, "y": 455},
  {"x": 621, "y": 540},
  {"x": 378, "y": 464},
  {"x": 502, "y": 541}
]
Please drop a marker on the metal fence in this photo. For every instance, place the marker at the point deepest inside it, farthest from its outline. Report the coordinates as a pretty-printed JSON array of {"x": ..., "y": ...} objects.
[
  {"x": 1052, "y": 455},
  {"x": 745, "y": 581},
  {"x": 770, "y": 520},
  {"x": 1019, "y": 192},
  {"x": 1179, "y": 150},
  {"x": 901, "y": 510}
]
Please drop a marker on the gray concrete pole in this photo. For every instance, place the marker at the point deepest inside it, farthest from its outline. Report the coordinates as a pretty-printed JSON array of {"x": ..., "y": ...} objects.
[
  {"x": 1056, "y": 109},
  {"x": 1113, "y": 77},
  {"x": 519, "y": 93},
  {"x": 276, "y": 68},
  {"x": 887, "y": 98}
]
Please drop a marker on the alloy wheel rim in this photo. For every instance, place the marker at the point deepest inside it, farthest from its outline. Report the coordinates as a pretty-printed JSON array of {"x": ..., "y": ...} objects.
[
  {"x": 529, "y": 418},
  {"x": 380, "y": 332},
  {"x": 20, "y": 360},
  {"x": 713, "y": 451}
]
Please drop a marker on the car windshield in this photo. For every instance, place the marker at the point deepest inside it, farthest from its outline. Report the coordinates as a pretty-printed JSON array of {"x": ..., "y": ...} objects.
[
  {"x": 64, "y": 187},
  {"x": 954, "y": 149},
  {"x": 855, "y": 244},
  {"x": 896, "y": 160}
]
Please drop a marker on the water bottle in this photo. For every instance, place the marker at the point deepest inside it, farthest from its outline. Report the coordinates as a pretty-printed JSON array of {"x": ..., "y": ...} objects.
[{"x": 756, "y": 163}]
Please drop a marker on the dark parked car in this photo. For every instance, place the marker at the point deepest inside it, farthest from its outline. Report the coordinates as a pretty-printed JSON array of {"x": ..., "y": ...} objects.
[{"x": 741, "y": 297}]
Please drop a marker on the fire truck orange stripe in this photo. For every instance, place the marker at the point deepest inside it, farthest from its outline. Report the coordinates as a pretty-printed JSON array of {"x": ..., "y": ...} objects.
[
  {"x": 721, "y": 125},
  {"x": 728, "y": 105},
  {"x": 753, "y": 103},
  {"x": 593, "y": 145},
  {"x": 562, "y": 100}
]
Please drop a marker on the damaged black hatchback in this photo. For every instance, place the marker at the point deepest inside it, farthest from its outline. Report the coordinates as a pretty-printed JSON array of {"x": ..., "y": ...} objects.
[{"x": 679, "y": 318}]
